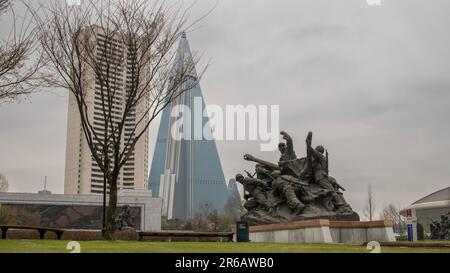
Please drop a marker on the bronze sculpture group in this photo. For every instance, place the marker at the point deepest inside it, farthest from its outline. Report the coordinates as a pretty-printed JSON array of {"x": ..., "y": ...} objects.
[
  {"x": 125, "y": 219},
  {"x": 295, "y": 189},
  {"x": 440, "y": 230}
]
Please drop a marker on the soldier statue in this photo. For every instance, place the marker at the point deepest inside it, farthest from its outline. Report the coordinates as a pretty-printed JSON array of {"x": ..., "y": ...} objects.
[
  {"x": 320, "y": 176},
  {"x": 255, "y": 193},
  {"x": 287, "y": 149}
]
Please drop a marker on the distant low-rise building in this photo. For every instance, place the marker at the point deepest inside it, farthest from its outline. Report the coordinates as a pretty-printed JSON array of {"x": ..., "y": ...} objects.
[{"x": 430, "y": 208}]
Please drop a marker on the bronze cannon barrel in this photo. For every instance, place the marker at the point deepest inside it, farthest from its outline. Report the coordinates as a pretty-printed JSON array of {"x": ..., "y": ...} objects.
[{"x": 267, "y": 164}]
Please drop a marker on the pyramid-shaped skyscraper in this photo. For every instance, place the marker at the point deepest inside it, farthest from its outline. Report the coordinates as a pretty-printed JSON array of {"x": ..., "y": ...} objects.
[{"x": 186, "y": 174}]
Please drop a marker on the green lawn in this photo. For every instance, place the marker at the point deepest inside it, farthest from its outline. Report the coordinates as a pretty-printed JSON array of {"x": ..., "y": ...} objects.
[{"x": 51, "y": 246}]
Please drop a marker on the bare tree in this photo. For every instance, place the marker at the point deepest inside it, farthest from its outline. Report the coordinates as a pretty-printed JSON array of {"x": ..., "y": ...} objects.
[
  {"x": 214, "y": 219},
  {"x": 4, "y": 4},
  {"x": 200, "y": 221},
  {"x": 369, "y": 210},
  {"x": 20, "y": 60},
  {"x": 233, "y": 207},
  {"x": 137, "y": 37},
  {"x": 392, "y": 213}
]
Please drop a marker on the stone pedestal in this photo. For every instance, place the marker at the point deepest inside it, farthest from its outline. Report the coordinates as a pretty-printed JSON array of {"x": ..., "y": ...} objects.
[{"x": 324, "y": 231}]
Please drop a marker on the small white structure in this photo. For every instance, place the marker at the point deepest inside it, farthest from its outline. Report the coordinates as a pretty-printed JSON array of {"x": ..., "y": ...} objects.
[{"x": 3, "y": 183}]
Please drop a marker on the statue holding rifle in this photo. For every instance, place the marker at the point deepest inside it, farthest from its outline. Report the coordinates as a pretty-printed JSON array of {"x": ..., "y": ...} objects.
[{"x": 319, "y": 168}]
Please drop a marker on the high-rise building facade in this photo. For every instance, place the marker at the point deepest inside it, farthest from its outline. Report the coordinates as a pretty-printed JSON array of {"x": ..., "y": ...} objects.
[
  {"x": 82, "y": 173},
  {"x": 187, "y": 174}
]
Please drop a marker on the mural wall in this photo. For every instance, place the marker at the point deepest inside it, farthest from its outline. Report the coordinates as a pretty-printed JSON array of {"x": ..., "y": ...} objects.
[{"x": 60, "y": 216}]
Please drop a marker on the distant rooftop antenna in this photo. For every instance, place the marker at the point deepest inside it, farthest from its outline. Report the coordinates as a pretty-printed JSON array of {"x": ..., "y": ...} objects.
[{"x": 45, "y": 191}]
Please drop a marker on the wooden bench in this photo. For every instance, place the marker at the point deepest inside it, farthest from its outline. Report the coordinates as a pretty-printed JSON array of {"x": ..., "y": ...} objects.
[
  {"x": 41, "y": 230},
  {"x": 178, "y": 234}
]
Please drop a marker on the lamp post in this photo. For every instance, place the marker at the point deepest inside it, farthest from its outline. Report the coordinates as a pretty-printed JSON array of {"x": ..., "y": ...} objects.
[{"x": 104, "y": 207}]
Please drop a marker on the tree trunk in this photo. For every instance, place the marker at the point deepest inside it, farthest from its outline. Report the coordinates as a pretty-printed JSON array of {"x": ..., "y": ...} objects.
[{"x": 111, "y": 215}]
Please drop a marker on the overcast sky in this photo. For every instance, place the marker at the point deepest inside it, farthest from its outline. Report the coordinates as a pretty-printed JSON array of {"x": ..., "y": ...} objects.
[{"x": 373, "y": 83}]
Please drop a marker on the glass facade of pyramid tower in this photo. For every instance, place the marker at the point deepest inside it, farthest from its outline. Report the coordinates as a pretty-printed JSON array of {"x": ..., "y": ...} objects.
[{"x": 186, "y": 174}]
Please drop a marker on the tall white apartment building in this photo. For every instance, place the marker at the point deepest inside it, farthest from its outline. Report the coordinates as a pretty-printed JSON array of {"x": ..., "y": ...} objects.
[{"x": 82, "y": 174}]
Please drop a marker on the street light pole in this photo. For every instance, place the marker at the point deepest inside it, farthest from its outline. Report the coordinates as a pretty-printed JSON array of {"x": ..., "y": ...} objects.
[{"x": 104, "y": 207}]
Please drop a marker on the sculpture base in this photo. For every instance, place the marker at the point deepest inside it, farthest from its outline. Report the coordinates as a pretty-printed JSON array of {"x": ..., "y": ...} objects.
[
  {"x": 284, "y": 215},
  {"x": 324, "y": 231}
]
